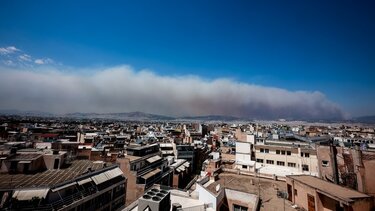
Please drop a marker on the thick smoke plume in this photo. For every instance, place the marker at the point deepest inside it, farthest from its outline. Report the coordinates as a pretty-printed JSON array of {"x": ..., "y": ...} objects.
[{"x": 121, "y": 89}]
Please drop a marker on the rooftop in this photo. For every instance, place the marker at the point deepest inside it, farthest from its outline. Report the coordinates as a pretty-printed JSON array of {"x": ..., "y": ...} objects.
[
  {"x": 248, "y": 184},
  {"x": 328, "y": 188},
  {"x": 49, "y": 177},
  {"x": 22, "y": 157}
]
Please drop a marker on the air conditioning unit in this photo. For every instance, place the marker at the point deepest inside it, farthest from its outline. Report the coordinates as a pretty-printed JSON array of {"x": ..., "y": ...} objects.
[{"x": 155, "y": 200}]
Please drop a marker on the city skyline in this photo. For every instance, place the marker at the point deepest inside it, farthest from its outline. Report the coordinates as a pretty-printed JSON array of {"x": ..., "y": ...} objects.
[{"x": 271, "y": 60}]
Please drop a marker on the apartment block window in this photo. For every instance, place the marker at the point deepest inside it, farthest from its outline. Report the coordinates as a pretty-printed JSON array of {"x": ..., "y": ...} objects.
[
  {"x": 244, "y": 166},
  {"x": 261, "y": 150},
  {"x": 260, "y": 160},
  {"x": 301, "y": 154},
  {"x": 280, "y": 163},
  {"x": 282, "y": 152},
  {"x": 325, "y": 163},
  {"x": 295, "y": 192},
  {"x": 292, "y": 165},
  {"x": 239, "y": 208},
  {"x": 307, "y": 155},
  {"x": 305, "y": 167},
  {"x": 266, "y": 151},
  {"x": 270, "y": 162},
  {"x": 278, "y": 152},
  {"x": 288, "y": 153}
]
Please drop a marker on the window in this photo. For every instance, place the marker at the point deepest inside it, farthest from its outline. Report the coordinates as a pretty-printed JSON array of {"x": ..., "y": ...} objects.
[
  {"x": 278, "y": 152},
  {"x": 260, "y": 160},
  {"x": 239, "y": 208},
  {"x": 280, "y": 163},
  {"x": 270, "y": 162},
  {"x": 261, "y": 150},
  {"x": 244, "y": 166},
  {"x": 307, "y": 155},
  {"x": 288, "y": 153},
  {"x": 295, "y": 192},
  {"x": 292, "y": 165},
  {"x": 305, "y": 167},
  {"x": 266, "y": 151},
  {"x": 325, "y": 163},
  {"x": 301, "y": 154},
  {"x": 282, "y": 152}
]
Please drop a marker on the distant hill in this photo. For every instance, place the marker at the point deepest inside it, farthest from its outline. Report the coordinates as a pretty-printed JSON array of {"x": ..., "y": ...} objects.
[
  {"x": 212, "y": 118},
  {"x": 25, "y": 113},
  {"x": 131, "y": 116},
  {"x": 365, "y": 119}
]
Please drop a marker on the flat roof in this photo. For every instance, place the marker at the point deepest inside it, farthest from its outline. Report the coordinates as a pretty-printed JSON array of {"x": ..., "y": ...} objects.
[
  {"x": 328, "y": 188},
  {"x": 22, "y": 157},
  {"x": 48, "y": 178}
]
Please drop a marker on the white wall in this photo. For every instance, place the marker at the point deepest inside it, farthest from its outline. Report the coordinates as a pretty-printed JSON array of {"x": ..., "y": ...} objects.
[{"x": 205, "y": 196}]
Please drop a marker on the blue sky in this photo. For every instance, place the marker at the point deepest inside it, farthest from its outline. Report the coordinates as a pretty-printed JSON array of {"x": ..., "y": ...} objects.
[{"x": 293, "y": 45}]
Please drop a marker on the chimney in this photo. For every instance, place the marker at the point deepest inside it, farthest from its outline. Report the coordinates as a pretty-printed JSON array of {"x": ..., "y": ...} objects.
[{"x": 156, "y": 200}]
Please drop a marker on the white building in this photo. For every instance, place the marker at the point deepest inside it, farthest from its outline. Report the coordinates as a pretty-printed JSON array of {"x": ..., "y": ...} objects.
[{"x": 243, "y": 156}]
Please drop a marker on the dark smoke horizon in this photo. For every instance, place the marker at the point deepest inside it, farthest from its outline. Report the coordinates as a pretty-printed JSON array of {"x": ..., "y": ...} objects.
[{"x": 122, "y": 89}]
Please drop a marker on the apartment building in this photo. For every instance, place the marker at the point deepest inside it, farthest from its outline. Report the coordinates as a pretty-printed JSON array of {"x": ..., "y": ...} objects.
[
  {"x": 143, "y": 166},
  {"x": 186, "y": 152},
  {"x": 312, "y": 193},
  {"x": 244, "y": 156},
  {"x": 84, "y": 185},
  {"x": 283, "y": 157}
]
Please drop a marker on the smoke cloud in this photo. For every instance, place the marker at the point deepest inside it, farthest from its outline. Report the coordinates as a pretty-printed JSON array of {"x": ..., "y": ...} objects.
[{"x": 122, "y": 89}]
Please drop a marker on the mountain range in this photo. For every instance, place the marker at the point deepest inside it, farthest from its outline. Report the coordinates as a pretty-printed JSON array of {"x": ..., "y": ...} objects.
[{"x": 141, "y": 116}]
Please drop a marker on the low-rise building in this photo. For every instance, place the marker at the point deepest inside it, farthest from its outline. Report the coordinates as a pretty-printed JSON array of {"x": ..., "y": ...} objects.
[
  {"x": 143, "y": 166},
  {"x": 312, "y": 193},
  {"x": 83, "y": 185}
]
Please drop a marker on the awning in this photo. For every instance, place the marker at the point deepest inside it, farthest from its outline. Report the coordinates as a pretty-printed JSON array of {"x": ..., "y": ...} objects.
[
  {"x": 167, "y": 152},
  {"x": 150, "y": 174},
  {"x": 186, "y": 164},
  {"x": 153, "y": 159},
  {"x": 25, "y": 195},
  {"x": 63, "y": 187},
  {"x": 100, "y": 178},
  {"x": 181, "y": 168},
  {"x": 84, "y": 181},
  {"x": 113, "y": 173},
  {"x": 25, "y": 161}
]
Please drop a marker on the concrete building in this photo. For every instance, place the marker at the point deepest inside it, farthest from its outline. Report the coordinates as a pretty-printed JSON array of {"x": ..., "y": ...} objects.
[
  {"x": 143, "y": 166},
  {"x": 243, "y": 156},
  {"x": 282, "y": 157},
  {"x": 83, "y": 185},
  {"x": 312, "y": 193},
  {"x": 186, "y": 152},
  {"x": 350, "y": 167},
  {"x": 181, "y": 173}
]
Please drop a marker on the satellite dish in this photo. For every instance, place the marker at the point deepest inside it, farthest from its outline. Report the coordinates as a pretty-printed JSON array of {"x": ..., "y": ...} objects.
[{"x": 217, "y": 187}]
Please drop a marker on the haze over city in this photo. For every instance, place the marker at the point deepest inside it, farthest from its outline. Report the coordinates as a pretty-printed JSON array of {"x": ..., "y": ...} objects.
[
  {"x": 298, "y": 60},
  {"x": 174, "y": 105}
]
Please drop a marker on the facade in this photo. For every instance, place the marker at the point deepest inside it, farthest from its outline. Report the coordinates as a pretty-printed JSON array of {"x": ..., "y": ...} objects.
[
  {"x": 286, "y": 158},
  {"x": 143, "y": 166},
  {"x": 312, "y": 193},
  {"x": 181, "y": 173},
  {"x": 243, "y": 156},
  {"x": 350, "y": 167},
  {"x": 167, "y": 149},
  {"x": 186, "y": 152},
  {"x": 82, "y": 186}
]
